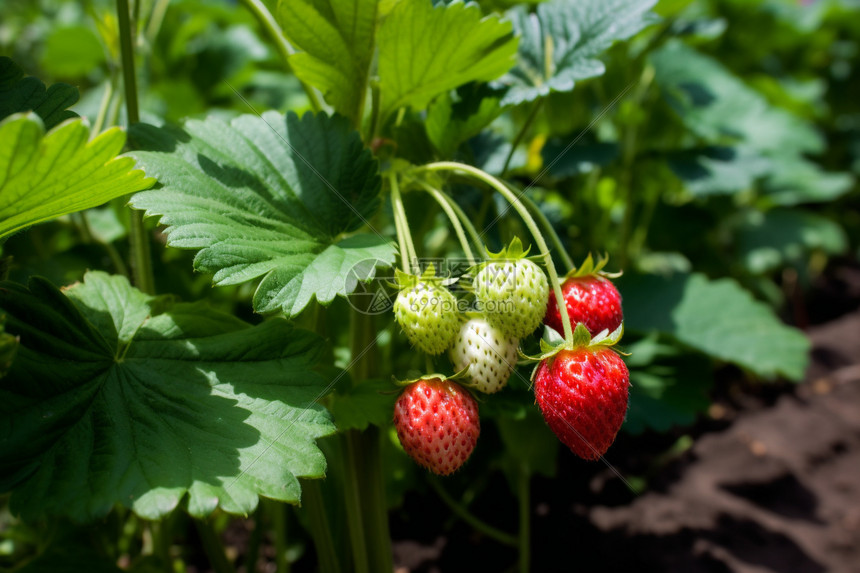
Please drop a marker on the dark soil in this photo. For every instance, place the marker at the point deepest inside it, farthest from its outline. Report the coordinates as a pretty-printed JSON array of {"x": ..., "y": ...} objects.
[{"x": 771, "y": 483}]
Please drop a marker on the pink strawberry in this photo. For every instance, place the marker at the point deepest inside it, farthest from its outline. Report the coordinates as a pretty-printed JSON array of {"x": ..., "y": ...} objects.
[
  {"x": 582, "y": 394},
  {"x": 437, "y": 423},
  {"x": 592, "y": 300}
]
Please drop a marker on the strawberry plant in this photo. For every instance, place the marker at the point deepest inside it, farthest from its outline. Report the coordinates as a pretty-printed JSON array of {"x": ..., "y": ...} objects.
[{"x": 230, "y": 231}]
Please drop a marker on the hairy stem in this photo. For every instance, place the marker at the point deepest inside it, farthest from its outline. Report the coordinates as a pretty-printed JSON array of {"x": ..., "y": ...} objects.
[
  {"x": 527, "y": 219},
  {"x": 314, "y": 503},
  {"x": 452, "y": 216},
  {"x": 140, "y": 253},
  {"x": 268, "y": 22},
  {"x": 549, "y": 229},
  {"x": 402, "y": 223}
]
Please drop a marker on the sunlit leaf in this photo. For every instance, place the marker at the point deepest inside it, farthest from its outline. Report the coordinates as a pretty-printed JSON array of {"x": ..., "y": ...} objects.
[
  {"x": 43, "y": 176},
  {"x": 267, "y": 197},
  {"x": 426, "y": 50},
  {"x": 718, "y": 318},
  {"x": 560, "y": 43},
  {"x": 118, "y": 397},
  {"x": 336, "y": 41}
]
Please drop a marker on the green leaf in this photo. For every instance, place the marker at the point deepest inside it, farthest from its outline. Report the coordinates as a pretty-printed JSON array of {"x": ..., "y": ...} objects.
[
  {"x": 43, "y": 176},
  {"x": 111, "y": 401},
  {"x": 766, "y": 241},
  {"x": 336, "y": 39},
  {"x": 718, "y": 318},
  {"x": 425, "y": 51},
  {"x": 561, "y": 41},
  {"x": 265, "y": 196},
  {"x": 719, "y": 107},
  {"x": 457, "y": 116},
  {"x": 718, "y": 170},
  {"x": 796, "y": 180},
  {"x": 19, "y": 93},
  {"x": 668, "y": 386},
  {"x": 370, "y": 402},
  {"x": 71, "y": 52}
]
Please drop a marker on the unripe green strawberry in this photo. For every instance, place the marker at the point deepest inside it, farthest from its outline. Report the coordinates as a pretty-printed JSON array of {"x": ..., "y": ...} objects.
[
  {"x": 437, "y": 424},
  {"x": 427, "y": 312},
  {"x": 489, "y": 355},
  {"x": 512, "y": 291}
]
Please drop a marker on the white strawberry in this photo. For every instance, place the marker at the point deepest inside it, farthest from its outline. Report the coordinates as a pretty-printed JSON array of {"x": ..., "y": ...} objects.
[{"x": 489, "y": 355}]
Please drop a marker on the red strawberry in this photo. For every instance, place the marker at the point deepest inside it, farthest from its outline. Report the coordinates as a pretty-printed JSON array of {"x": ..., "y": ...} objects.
[
  {"x": 592, "y": 300},
  {"x": 437, "y": 423},
  {"x": 582, "y": 394}
]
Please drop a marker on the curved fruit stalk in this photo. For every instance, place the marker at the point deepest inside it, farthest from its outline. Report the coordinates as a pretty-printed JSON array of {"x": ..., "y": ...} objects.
[{"x": 591, "y": 299}]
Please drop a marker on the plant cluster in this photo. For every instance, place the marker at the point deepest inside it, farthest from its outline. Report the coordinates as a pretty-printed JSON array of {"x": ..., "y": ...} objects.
[{"x": 307, "y": 159}]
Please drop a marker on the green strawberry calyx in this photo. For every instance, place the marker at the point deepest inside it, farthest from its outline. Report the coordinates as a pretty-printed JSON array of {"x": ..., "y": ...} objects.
[
  {"x": 513, "y": 252},
  {"x": 552, "y": 342},
  {"x": 404, "y": 280},
  {"x": 590, "y": 267}
]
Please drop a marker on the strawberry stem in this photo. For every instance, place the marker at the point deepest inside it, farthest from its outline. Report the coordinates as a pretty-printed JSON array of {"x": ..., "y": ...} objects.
[
  {"x": 408, "y": 256},
  {"x": 141, "y": 261},
  {"x": 515, "y": 202},
  {"x": 549, "y": 229},
  {"x": 452, "y": 216}
]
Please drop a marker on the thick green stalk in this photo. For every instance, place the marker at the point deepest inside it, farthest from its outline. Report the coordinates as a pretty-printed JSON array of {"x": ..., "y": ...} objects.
[
  {"x": 452, "y": 216},
  {"x": 279, "y": 520},
  {"x": 268, "y": 22},
  {"x": 352, "y": 499},
  {"x": 373, "y": 498},
  {"x": 140, "y": 254},
  {"x": 253, "y": 552},
  {"x": 527, "y": 219},
  {"x": 313, "y": 502},
  {"x": 471, "y": 519},
  {"x": 524, "y": 494},
  {"x": 212, "y": 547}
]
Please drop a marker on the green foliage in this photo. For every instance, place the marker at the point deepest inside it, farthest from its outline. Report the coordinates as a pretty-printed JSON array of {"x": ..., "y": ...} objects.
[
  {"x": 120, "y": 397},
  {"x": 370, "y": 402},
  {"x": 561, "y": 41},
  {"x": 668, "y": 386},
  {"x": 718, "y": 318},
  {"x": 71, "y": 52},
  {"x": 19, "y": 93},
  {"x": 43, "y": 176},
  {"x": 267, "y": 196},
  {"x": 768, "y": 241},
  {"x": 425, "y": 51},
  {"x": 336, "y": 39}
]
